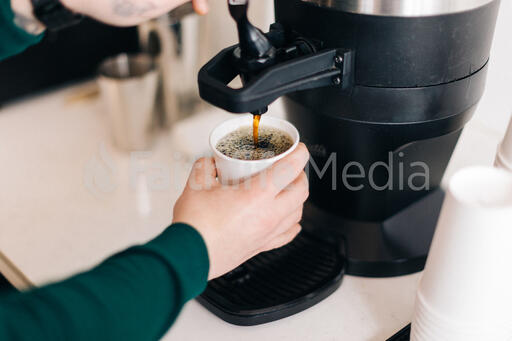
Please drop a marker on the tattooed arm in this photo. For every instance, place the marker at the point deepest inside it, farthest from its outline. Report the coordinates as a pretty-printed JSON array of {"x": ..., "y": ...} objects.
[
  {"x": 129, "y": 12},
  {"x": 113, "y": 12}
]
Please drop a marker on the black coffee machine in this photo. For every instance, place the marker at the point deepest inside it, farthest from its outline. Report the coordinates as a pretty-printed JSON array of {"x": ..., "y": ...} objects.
[{"x": 380, "y": 91}]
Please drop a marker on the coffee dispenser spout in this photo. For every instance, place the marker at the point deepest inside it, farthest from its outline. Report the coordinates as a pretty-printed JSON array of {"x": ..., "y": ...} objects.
[
  {"x": 253, "y": 43},
  {"x": 270, "y": 65}
]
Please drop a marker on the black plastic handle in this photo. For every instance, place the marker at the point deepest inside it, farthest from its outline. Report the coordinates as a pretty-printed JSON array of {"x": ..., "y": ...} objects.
[{"x": 324, "y": 68}]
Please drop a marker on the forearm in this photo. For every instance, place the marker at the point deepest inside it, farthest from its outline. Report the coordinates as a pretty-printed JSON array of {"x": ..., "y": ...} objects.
[
  {"x": 19, "y": 28},
  {"x": 129, "y": 12},
  {"x": 135, "y": 295}
]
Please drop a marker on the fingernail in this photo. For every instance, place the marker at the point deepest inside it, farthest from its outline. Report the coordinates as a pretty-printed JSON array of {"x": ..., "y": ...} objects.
[{"x": 201, "y": 7}]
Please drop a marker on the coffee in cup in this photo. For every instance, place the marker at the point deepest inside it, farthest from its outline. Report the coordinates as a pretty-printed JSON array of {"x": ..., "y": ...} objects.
[{"x": 239, "y": 144}]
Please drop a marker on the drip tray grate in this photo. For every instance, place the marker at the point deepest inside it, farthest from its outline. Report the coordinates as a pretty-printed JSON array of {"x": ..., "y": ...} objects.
[{"x": 276, "y": 284}]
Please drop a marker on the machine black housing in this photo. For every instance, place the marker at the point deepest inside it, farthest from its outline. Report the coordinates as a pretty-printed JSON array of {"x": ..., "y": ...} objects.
[{"x": 417, "y": 81}]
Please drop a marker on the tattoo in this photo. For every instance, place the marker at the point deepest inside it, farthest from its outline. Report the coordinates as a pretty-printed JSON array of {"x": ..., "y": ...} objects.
[
  {"x": 30, "y": 25},
  {"x": 130, "y": 8}
]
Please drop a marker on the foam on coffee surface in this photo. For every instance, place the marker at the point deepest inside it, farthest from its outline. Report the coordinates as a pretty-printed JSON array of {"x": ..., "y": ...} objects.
[{"x": 239, "y": 144}]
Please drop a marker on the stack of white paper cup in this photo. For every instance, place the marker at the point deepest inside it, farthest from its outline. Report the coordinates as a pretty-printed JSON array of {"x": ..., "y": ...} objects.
[
  {"x": 232, "y": 170},
  {"x": 466, "y": 291},
  {"x": 504, "y": 157}
]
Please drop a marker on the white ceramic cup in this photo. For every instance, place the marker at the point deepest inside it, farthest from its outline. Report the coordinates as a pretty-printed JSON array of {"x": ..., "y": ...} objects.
[
  {"x": 232, "y": 170},
  {"x": 504, "y": 156},
  {"x": 465, "y": 293}
]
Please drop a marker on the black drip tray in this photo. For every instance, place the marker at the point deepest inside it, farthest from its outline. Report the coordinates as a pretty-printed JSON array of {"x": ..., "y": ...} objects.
[{"x": 277, "y": 284}]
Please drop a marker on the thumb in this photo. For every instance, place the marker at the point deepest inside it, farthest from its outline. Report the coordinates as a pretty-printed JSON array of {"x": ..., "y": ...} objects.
[
  {"x": 203, "y": 175},
  {"x": 200, "y": 6}
]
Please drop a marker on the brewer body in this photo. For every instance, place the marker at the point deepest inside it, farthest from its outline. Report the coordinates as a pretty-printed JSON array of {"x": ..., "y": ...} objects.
[{"x": 380, "y": 91}]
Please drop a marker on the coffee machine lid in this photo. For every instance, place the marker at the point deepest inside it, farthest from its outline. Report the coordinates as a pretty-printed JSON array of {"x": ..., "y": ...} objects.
[{"x": 401, "y": 8}]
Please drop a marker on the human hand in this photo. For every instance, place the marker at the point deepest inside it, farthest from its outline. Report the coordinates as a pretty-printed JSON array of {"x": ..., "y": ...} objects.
[
  {"x": 129, "y": 12},
  {"x": 113, "y": 12},
  {"x": 238, "y": 222}
]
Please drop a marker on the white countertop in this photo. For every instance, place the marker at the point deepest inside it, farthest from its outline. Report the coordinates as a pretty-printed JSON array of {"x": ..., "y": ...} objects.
[{"x": 67, "y": 201}]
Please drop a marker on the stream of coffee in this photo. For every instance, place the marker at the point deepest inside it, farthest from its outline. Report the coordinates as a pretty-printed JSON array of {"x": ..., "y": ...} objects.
[{"x": 255, "y": 129}]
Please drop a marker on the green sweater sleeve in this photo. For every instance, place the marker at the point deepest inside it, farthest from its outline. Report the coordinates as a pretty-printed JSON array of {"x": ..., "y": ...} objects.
[
  {"x": 134, "y": 295},
  {"x": 13, "y": 39}
]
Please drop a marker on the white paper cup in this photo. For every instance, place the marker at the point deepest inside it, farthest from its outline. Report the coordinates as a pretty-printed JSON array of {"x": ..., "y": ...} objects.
[
  {"x": 466, "y": 290},
  {"x": 232, "y": 170},
  {"x": 504, "y": 157}
]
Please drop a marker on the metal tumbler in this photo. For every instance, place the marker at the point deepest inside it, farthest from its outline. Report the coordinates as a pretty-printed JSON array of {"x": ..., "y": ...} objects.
[{"x": 129, "y": 85}]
